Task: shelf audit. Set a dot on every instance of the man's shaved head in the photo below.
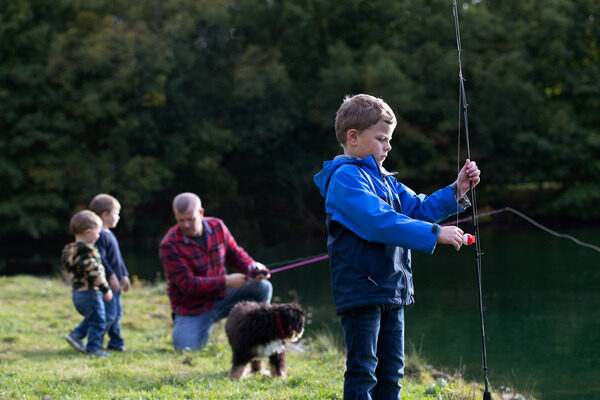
(184, 201)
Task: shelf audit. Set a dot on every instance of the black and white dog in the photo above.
(257, 330)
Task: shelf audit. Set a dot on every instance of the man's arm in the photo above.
(235, 256)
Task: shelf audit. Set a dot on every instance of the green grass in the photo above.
(37, 363)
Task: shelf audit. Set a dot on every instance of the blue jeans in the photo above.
(114, 314)
(89, 303)
(190, 332)
(374, 338)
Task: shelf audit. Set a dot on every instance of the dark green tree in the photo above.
(235, 100)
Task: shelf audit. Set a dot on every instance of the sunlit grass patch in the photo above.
(37, 363)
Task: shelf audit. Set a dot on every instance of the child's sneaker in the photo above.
(118, 349)
(75, 342)
(98, 353)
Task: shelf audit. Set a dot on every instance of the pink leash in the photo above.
(312, 260)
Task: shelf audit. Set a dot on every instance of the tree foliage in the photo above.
(235, 100)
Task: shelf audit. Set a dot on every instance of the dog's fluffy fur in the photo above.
(253, 333)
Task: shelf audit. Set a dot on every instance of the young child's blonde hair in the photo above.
(104, 203)
(360, 112)
(84, 220)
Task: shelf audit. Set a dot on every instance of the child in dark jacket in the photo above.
(82, 260)
(108, 209)
(373, 221)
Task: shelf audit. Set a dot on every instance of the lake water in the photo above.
(541, 303)
(541, 310)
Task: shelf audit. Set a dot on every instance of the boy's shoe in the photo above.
(119, 349)
(98, 353)
(75, 342)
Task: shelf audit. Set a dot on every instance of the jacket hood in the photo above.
(323, 177)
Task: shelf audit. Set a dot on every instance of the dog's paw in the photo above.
(256, 366)
(278, 373)
(238, 372)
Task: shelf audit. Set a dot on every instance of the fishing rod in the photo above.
(478, 252)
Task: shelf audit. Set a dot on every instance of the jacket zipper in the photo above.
(390, 196)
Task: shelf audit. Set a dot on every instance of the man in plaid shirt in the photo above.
(201, 292)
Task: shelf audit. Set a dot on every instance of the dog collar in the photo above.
(280, 326)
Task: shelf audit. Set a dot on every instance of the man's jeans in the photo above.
(191, 331)
(375, 352)
(89, 303)
(114, 314)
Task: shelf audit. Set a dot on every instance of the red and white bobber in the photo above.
(468, 239)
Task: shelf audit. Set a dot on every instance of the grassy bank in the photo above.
(37, 363)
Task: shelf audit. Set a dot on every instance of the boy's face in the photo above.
(373, 141)
(190, 221)
(110, 219)
(91, 235)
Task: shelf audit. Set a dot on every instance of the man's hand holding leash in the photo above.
(256, 272)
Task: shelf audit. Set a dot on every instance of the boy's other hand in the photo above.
(114, 283)
(451, 235)
(126, 283)
(468, 173)
(108, 295)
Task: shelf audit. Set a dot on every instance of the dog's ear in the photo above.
(296, 316)
(294, 306)
(298, 309)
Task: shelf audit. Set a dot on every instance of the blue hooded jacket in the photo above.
(373, 221)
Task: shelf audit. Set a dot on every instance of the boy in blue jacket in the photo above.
(108, 209)
(373, 221)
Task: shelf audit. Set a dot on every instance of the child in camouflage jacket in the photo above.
(82, 259)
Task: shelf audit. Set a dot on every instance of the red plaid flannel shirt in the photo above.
(196, 274)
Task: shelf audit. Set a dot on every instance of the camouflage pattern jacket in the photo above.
(83, 261)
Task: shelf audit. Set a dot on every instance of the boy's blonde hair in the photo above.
(104, 203)
(84, 220)
(360, 112)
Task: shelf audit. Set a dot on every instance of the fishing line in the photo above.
(534, 223)
(458, 146)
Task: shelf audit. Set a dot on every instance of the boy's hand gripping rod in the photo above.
(478, 253)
